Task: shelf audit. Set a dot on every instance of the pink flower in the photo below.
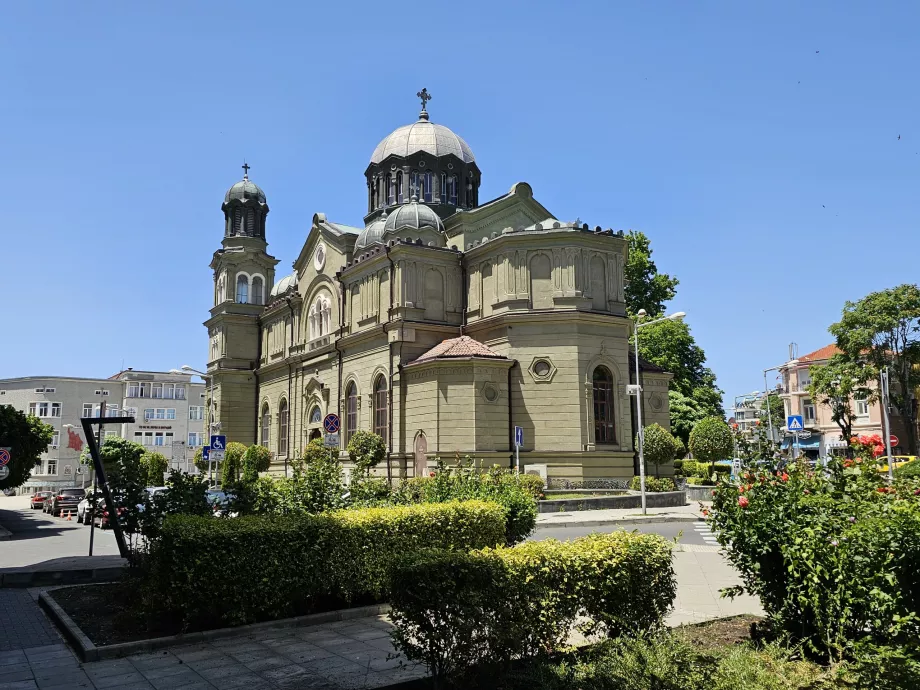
(743, 501)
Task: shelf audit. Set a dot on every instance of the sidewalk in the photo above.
(625, 516)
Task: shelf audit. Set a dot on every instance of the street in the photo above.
(39, 537)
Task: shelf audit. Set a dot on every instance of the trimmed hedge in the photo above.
(495, 605)
(204, 571)
(652, 484)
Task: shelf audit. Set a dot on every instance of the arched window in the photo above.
(242, 289)
(257, 290)
(443, 188)
(604, 430)
(351, 411)
(452, 190)
(316, 415)
(389, 189)
(414, 183)
(399, 187)
(283, 428)
(266, 424)
(380, 407)
(429, 186)
(320, 317)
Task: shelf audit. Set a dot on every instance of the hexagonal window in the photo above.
(542, 369)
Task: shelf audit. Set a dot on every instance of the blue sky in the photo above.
(756, 146)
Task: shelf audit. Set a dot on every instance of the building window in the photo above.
(316, 415)
(414, 184)
(52, 466)
(257, 290)
(266, 424)
(452, 190)
(320, 317)
(55, 409)
(195, 439)
(169, 390)
(429, 186)
(157, 391)
(380, 407)
(283, 428)
(44, 409)
(603, 406)
(399, 187)
(443, 188)
(862, 407)
(242, 289)
(158, 438)
(160, 413)
(391, 198)
(138, 390)
(88, 410)
(808, 410)
(180, 392)
(196, 412)
(55, 440)
(351, 411)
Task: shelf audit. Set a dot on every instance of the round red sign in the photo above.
(894, 440)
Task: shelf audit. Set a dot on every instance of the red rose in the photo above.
(785, 477)
(743, 502)
(431, 474)
(806, 492)
(881, 489)
(740, 489)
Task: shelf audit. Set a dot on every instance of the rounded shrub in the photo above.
(659, 446)
(711, 440)
(366, 450)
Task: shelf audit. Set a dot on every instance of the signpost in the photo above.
(518, 442)
(331, 440)
(4, 472)
(4, 456)
(331, 425)
(796, 425)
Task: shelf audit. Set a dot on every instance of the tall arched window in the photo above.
(351, 411)
(452, 190)
(320, 317)
(443, 188)
(242, 289)
(429, 186)
(389, 189)
(380, 407)
(266, 424)
(399, 187)
(257, 290)
(604, 430)
(283, 428)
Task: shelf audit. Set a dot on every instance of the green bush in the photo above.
(909, 470)
(207, 571)
(652, 484)
(533, 484)
(232, 464)
(155, 465)
(366, 450)
(711, 440)
(256, 459)
(678, 467)
(659, 446)
(834, 560)
(494, 605)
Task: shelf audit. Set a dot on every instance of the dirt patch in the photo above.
(106, 613)
(725, 632)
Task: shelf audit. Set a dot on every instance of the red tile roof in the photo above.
(825, 352)
(464, 346)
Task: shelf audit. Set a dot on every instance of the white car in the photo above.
(83, 507)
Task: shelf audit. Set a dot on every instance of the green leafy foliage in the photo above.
(366, 450)
(837, 384)
(515, 493)
(207, 571)
(200, 462)
(685, 412)
(256, 459)
(233, 463)
(659, 446)
(473, 608)
(155, 465)
(834, 559)
(711, 440)
(883, 330)
(909, 470)
(27, 437)
(646, 288)
(652, 484)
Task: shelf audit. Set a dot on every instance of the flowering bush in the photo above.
(834, 558)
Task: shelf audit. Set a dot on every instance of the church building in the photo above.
(441, 323)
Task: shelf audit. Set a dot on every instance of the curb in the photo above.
(619, 521)
(24, 577)
(87, 651)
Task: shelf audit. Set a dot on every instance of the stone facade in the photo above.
(539, 304)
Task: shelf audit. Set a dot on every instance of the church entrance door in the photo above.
(421, 455)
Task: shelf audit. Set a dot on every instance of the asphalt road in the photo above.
(688, 532)
(39, 537)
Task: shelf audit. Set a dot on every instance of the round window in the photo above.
(541, 368)
(490, 393)
(319, 259)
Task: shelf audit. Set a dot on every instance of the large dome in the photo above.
(245, 190)
(426, 137)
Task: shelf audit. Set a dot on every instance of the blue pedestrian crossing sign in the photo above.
(794, 422)
(219, 442)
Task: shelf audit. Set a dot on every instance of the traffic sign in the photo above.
(205, 452)
(794, 422)
(218, 442)
(216, 455)
(4, 472)
(331, 440)
(4, 456)
(331, 423)
(519, 436)
(894, 440)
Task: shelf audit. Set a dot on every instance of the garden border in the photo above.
(631, 499)
(88, 651)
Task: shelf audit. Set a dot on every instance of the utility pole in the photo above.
(92, 504)
(887, 422)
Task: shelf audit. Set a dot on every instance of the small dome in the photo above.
(425, 136)
(284, 284)
(413, 216)
(372, 233)
(244, 190)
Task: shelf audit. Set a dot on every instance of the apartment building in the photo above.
(168, 410)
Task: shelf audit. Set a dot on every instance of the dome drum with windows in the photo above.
(425, 161)
(245, 209)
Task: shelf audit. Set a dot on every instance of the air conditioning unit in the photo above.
(539, 470)
(53, 447)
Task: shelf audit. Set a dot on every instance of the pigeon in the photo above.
(899, 137)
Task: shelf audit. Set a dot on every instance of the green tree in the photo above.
(155, 466)
(685, 413)
(776, 415)
(646, 288)
(256, 459)
(837, 385)
(670, 345)
(883, 330)
(200, 462)
(711, 440)
(680, 449)
(233, 463)
(27, 437)
(659, 447)
(366, 450)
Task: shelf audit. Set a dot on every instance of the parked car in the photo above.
(38, 499)
(83, 508)
(220, 502)
(897, 460)
(65, 499)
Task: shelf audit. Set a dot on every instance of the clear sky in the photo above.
(757, 146)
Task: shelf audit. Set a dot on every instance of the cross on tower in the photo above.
(425, 96)
(245, 170)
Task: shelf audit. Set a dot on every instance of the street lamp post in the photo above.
(641, 434)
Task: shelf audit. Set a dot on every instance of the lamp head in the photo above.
(641, 313)
(678, 315)
(176, 371)
(186, 367)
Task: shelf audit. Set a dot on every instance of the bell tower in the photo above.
(243, 274)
